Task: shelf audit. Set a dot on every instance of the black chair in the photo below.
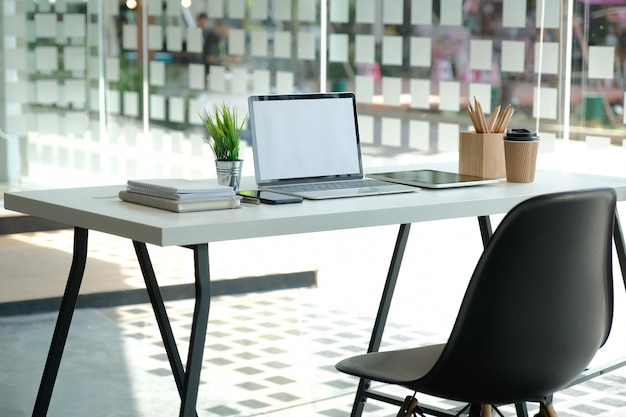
(537, 308)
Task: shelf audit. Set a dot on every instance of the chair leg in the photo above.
(475, 410)
(550, 409)
(546, 410)
(409, 407)
(485, 410)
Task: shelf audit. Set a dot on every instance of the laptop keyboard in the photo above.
(332, 185)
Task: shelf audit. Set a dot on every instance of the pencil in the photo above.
(472, 115)
(504, 119)
(481, 116)
(507, 119)
(475, 119)
(469, 112)
(492, 120)
(497, 128)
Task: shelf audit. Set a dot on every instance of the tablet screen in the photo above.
(430, 178)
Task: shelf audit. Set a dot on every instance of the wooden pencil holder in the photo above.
(482, 154)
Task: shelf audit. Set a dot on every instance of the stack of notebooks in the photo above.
(181, 195)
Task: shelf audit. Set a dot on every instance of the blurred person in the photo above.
(216, 45)
(203, 22)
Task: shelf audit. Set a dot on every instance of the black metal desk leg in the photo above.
(383, 311)
(198, 329)
(484, 222)
(64, 319)
(156, 299)
(521, 409)
(620, 247)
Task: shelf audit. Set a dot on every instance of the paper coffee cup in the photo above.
(520, 155)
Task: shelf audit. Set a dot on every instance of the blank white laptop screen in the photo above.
(298, 137)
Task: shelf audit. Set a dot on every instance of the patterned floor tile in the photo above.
(278, 353)
(273, 355)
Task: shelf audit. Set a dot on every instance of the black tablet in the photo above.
(431, 178)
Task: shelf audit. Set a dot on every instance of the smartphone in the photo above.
(268, 197)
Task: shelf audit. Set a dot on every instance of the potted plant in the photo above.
(225, 138)
(339, 73)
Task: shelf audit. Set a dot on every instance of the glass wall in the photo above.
(416, 64)
(98, 91)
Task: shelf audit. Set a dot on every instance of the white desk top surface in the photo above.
(99, 208)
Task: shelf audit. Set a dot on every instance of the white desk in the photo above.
(98, 208)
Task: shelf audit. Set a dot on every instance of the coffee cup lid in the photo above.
(521, 135)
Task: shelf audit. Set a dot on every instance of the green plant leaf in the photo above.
(224, 131)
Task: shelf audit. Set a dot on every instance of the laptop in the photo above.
(307, 145)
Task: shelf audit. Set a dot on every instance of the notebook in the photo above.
(307, 145)
(179, 188)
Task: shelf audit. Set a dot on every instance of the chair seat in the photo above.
(400, 367)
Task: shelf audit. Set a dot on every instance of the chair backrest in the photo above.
(540, 302)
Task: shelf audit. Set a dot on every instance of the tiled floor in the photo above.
(269, 354)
